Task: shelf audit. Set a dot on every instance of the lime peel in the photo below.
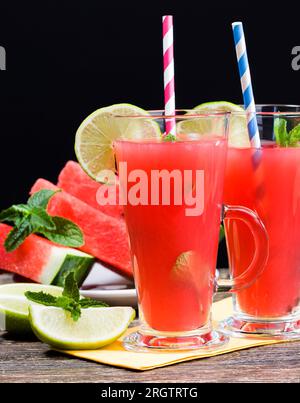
(14, 306)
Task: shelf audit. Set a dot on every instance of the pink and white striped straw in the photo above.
(169, 83)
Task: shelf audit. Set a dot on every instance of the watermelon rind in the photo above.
(60, 260)
(79, 265)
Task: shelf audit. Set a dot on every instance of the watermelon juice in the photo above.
(173, 253)
(273, 191)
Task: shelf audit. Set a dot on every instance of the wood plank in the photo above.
(33, 362)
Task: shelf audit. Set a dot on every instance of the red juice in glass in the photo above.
(172, 194)
(273, 191)
(173, 254)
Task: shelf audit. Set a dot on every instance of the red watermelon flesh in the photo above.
(105, 237)
(36, 258)
(76, 182)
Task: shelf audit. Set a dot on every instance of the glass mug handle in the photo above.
(261, 242)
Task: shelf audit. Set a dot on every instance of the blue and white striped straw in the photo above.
(244, 70)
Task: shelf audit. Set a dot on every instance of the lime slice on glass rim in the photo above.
(95, 328)
(14, 306)
(96, 134)
(238, 130)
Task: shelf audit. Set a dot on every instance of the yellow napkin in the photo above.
(115, 354)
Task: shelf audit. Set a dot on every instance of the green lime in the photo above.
(238, 131)
(14, 306)
(96, 134)
(95, 328)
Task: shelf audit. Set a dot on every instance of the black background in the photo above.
(66, 59)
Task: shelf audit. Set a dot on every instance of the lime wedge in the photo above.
(183, 265)
(95, 328)
(14, 306)
(96, 134)
(238, 130)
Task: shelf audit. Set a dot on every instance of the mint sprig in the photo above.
(69, 300)
(169, 137)
(33, 218)
(283, 137)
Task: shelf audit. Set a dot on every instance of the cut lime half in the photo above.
(96, 134)
(95, 328)
(14, 306)
(238, 130)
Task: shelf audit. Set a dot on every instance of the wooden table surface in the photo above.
(32, 361)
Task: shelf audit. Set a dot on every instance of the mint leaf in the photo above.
(91, 303)
(17, 236)
(281, 133)
(70, 305)
(71, 289)
(65, 233)
(41, 298)
(41, 219)
(294, 136)
(41, 198)
(11, 215)
(283, 137)
(221, 233)
(21, 208)
(14, 214)
(169, 137)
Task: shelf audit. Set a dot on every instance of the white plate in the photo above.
(113, 297)
(104, 284)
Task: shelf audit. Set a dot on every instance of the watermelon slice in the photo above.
(76, 182)
(41, 261)
(105, 237)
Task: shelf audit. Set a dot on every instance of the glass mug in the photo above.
(172, 193)
(266, 180)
